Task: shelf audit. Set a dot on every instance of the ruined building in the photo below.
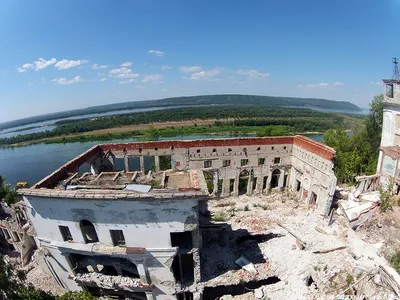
(125, 219)
(389, 151)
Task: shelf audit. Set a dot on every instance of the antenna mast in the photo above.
(396, 74)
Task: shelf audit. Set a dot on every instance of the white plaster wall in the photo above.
(317, 176)
(388, 128)
(145, 223)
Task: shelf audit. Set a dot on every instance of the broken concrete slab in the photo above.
(374, 196)
(353, 209)
(246, 265)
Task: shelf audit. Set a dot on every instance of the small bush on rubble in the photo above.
(387, 198)
(395, 261)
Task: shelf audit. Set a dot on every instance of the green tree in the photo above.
(84, 295)
(358, 154)
(13, 289)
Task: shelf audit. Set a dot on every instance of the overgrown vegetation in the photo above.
(387, 197)
(14, 287)
(265, 121)
(357, 154)
(220, 217)
(8, 194)
(395, 261)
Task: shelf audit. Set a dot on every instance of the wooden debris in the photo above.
(291, 233)
(329, 250)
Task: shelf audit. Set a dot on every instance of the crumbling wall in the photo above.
(146, 224)
(316, 177)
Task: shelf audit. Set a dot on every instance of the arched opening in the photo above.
(243, 181)
(275, 178)
(88, 232)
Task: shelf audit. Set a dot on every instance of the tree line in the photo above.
(299, 119)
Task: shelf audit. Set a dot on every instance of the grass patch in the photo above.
(263, 206)
(395, 261)
(220, 217)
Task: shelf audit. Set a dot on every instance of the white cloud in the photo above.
(206, 74)
(166, 67)
(252, 74)
(157, 52)
(96, 66)
(377, 83)
(42, 63)
(126, 64)
(25, 68)
(320, 85)
(126, 81)
(103, 79)
(66, 64)
(122, 73)
(76, 79)
(190, 69)
(153, 78)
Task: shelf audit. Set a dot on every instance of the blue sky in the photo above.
(61, 55)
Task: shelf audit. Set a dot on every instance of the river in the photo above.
(33, 162)
(48, 125)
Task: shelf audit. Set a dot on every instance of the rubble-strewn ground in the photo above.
(43, 281)
(384, 227)
(304, 274)
(35, 275)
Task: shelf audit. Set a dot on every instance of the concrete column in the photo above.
(250, 183)
(126, 161)
(225, 187)
(281, 178)
(157, 162)
(268, 187)
(141, 157)
(259, 185)
(142, 272)
(236, 186)
(215, 181)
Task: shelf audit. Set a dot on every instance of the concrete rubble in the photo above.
(108, 281)
(357, 206)
(335, 263)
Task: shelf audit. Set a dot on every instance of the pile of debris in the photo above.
(356, 206)
(109, 281)
(293, 254)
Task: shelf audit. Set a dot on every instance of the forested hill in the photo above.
(196, 100)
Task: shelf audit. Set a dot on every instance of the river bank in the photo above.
(31, 163)
(167, 129)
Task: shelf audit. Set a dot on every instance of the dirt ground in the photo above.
(349, 266)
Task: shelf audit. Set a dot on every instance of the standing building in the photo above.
(389, 151)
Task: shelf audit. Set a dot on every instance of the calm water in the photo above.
(47, 125)
(34, 162)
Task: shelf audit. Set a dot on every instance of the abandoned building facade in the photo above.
(123, 219)
(389, 152)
